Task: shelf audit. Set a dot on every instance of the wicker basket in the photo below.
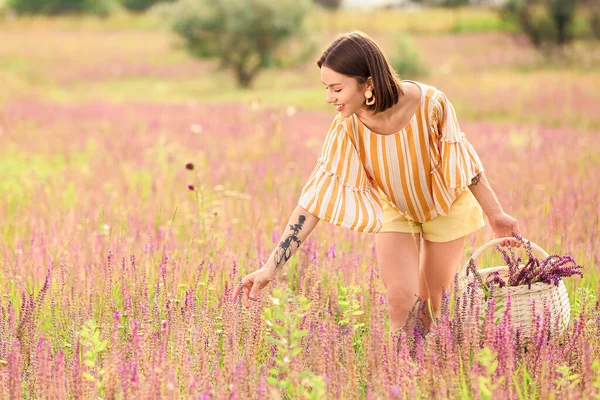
(556, 297)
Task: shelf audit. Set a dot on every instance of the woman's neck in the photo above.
(385, 117)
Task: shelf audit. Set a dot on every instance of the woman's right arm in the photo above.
(300, 225)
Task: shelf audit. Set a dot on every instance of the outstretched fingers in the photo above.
(246, 291)
(236, 290)
(245, 287)
(254, 293)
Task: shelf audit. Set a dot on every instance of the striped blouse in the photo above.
(421, 169)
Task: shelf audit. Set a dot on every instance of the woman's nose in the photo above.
(329, 98)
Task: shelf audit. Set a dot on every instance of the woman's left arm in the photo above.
(502, 224)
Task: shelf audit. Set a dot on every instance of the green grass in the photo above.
(26, 176)
(427, 20)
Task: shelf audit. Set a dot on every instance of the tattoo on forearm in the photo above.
(476, 179)
(285, 250)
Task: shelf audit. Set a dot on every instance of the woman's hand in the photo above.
(504, 225)
(252, 283)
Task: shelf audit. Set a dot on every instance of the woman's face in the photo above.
(343, 91)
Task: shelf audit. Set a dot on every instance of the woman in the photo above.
(394, 163)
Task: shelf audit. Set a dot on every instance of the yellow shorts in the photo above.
(464, 217)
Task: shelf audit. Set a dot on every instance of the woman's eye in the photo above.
(337, 91)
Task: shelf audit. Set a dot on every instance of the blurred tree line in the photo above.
(247, 36)
(94, 7)
(554, 21)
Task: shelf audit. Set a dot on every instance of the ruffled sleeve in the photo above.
(339, 189)
(459, 161)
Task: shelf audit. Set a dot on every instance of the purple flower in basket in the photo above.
(494, 278)
(549, 270)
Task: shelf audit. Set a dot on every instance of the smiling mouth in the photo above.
(340, 107)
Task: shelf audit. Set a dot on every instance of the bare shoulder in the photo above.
(411, 89)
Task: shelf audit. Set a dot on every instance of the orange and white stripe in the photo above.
(421, 169)
(339, 190)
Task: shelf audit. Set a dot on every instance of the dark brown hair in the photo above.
(355, 54)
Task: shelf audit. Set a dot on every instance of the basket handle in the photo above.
(494, 242)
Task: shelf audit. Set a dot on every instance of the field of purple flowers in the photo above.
(116, 278)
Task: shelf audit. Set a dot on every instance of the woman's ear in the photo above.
(370, 83)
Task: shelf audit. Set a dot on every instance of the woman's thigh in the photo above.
(398, 261)
(439, 264)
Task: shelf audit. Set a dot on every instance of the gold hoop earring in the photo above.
(370, 98)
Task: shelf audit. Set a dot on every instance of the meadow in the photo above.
(117, 261)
